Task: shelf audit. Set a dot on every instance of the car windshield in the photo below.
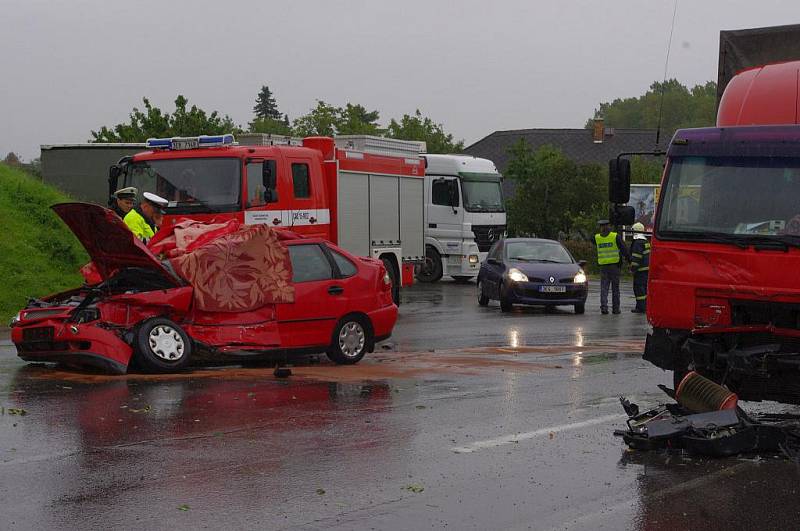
(482, 196)
(191, 185)
(731, 197)
(531, 251)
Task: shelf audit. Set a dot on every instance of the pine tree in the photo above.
(266, 107)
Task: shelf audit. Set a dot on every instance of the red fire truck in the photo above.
(362, 193)
(724, 285)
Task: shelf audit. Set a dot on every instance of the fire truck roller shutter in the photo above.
(384, 211)
(353, 213)
(412, 218)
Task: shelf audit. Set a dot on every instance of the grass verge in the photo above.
(38, 253)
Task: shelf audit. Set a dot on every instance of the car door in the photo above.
(320, 298)
(445, 215)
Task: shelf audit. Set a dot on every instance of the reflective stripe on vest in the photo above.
(607, 250)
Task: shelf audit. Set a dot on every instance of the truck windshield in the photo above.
(482, 196)
(737, 198)
(190, 185)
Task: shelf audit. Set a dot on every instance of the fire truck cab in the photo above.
(364, 194)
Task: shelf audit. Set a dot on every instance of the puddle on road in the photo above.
(382, 365)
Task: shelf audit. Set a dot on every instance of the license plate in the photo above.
(553, 289)
(185, 143)
(41, 333)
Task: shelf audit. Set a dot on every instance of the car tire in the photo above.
(483, 300)
(580, 308)
(505, 305)
(351, 339)
(462, 279)
(395, 276)
(549, 308)
(161, 346)
(431, 269)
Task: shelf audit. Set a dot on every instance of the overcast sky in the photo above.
(67, 67)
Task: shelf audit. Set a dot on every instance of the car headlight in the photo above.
(473, 259)
(580, 278)
(516, 275)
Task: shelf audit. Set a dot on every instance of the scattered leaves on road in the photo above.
(415, 488)
(320, 491)
(145, 409)
(183, 507)
(420, 407)
(16, 411)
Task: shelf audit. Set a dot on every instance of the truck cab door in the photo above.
(307, 215)
(445, 214)
(267, 200)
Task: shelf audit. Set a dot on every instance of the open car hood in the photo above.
(109, 242)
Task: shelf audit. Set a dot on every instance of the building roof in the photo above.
(577, 144)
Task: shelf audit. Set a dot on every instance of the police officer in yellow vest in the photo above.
(640, 266)
(143, 220)
(610, 252)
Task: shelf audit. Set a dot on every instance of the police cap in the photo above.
(126, 193)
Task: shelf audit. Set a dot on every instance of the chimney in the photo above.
(598, 131)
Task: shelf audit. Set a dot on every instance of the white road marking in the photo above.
(515, 438)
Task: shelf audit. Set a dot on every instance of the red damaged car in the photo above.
(205, 291)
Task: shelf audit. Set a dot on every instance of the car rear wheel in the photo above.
(580, 308)
(161, 346)
(483, 300)
(351, 340)
(431, 268)
(395, 276)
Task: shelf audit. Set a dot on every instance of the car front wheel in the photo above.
(351, 340)
(161, 346)
(505, 304)
(483, 300)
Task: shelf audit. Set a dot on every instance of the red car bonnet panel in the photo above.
(109, 242)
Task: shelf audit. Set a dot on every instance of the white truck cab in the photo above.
(464, 215)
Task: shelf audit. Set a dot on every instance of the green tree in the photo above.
(270, 126)
(320, 121)
(554, 195)
(682, 107)
(265, 106)
(152, 122)
(356, 120)
(418, 127)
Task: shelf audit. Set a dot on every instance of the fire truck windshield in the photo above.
(736, 198)
(191, 184)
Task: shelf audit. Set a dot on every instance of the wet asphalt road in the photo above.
(492, 422)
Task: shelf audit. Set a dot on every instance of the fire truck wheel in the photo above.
(431, 268)
(351, 340)
(161, 346)
(395, 276)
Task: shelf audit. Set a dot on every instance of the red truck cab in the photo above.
(724, 284)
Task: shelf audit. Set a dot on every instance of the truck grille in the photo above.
(486, 235)
(781, 315)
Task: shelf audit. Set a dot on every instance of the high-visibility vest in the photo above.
(138, 225)
(607, 249)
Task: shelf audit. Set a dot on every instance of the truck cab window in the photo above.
(301, 180)
(258, 180)
(440, 192)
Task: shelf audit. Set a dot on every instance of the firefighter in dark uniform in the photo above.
(640, 266)
(123, 201)
(610, 252)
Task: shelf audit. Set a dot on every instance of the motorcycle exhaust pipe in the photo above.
(699, 394)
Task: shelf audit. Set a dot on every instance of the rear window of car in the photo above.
(346, 267)
(309, 263)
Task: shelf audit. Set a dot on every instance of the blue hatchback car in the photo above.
(533, 272)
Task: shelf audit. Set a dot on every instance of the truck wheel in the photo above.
(483, 300)
(351, 340)
(431, 268)
(395, 276)
(161, 346)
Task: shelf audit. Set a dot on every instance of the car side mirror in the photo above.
(493, 261)
(269, 178)
(619, 180)
(270, 196)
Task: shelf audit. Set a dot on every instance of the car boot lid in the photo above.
(109, 242)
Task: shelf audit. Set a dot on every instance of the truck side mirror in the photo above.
(269, 178)
(619, 181)
(622, 215)
(452, 191)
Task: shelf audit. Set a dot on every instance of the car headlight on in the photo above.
(473, 259)
(516, 275)
(580, 278)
